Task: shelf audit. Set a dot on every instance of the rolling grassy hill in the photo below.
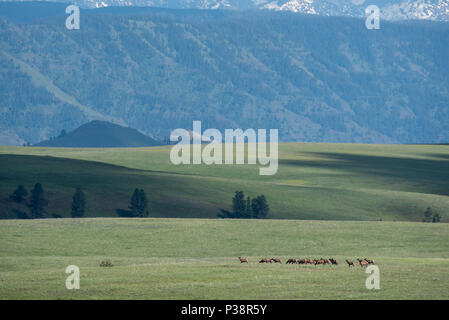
(160, 258)
(314, 181)
(197, 259)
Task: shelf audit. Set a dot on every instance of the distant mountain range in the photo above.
(390, 9)
(100, 134)
(323, 79)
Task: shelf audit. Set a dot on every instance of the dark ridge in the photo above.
(100, 134)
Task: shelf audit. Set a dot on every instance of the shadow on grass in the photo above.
(439, 155)
(423, 175)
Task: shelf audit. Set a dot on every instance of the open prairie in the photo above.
(345, 153)
(337, 201)
(159, 258)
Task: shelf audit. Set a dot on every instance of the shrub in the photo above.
(106, 263)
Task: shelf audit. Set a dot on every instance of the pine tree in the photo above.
(143, 204)
(37, 202)
(138, 204)
(239, 204)
(249, 210)
(19, 194)
(78, 204)
(263, 207)
(260, 207)
(256, 208)
(134, 203)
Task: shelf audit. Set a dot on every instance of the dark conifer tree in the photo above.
(249, 210)
(78, 204)
(138, 204)
(143, 204)
(256, 208)
(37, 202)
(19, 195)
(239, 204)
(260, 207)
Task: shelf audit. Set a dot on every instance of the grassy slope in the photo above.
(314, 181)
(169, 258)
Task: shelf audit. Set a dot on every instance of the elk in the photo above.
(350, 263)
(276, 260)
(310, 261)
(369, 261)
(363, 263)
(319, 261)
(333, 261)
(243, 260)
(265, 260)
(292, 260)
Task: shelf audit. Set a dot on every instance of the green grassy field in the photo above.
(158, 258)
(314, 181)
(161, 258)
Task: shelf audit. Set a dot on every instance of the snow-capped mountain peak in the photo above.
(390, 9)
(302, 6)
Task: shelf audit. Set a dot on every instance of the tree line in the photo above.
(36, 202)
(242, 207)
(246, 208)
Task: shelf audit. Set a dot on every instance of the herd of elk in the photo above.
(363, 262)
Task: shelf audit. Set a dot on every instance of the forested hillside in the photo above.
(314, 78)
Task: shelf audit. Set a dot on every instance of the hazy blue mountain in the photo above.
(315, 78)
(390, 9)
(100, 134)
